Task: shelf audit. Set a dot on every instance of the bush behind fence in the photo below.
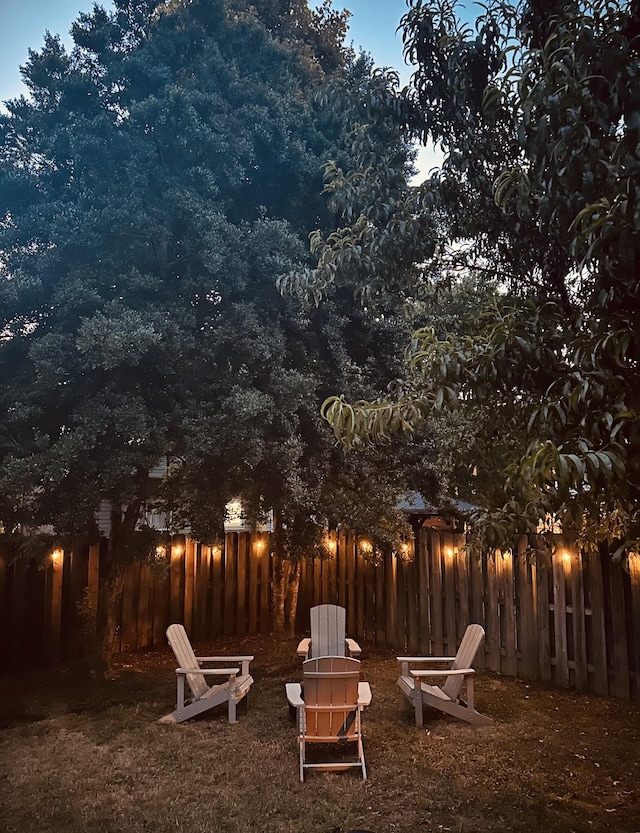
(572, 620)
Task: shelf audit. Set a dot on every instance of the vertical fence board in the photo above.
(145, 601)
(578, 622)
(391, 598)
(216, 591)
(4, 607)
(401, 596)
(634, 575)
(347, 544)
(380, 606)
(620, 682)
(437, 632)
(73, 598)
(189, 585)
(93, 581)
(341, 568)
(203, 587)
(492, 624)
(332, 565)
(422, 558)
(245, 548)
(560, 620)
(129, 614)
(510, 662)
(527, 632)
(317, 581)
(265, 584)
(177, 581)
(361, 571)
(161, 606)
(257, 552)
(325, 593)
(449, 601)
(230, 582)
(462, 564)
(369, 602)
(544, 631)
(53, 616)
(18, 611)
(478, 616)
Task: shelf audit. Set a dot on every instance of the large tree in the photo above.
(538, 114)
(153, 185)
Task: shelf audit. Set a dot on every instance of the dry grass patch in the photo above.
(78, 755)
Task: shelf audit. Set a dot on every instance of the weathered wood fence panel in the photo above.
(572, 619)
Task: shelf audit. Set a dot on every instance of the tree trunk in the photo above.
(280, 572)
(286, 587)
(110, 588)
(291, 602)
(109, 608)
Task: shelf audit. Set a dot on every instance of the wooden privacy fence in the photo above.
(572, 619)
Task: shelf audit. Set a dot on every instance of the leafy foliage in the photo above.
(538, 114)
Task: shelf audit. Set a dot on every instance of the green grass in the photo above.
(81, 755)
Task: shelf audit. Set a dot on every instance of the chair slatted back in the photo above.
(183, 651)
(331, 698)
(328, 631)
(467, 651)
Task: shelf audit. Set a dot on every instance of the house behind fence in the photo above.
(572, 619)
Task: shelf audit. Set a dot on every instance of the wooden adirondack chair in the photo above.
(331, 709)
(445, 698)
(205, 697)
(328, 634)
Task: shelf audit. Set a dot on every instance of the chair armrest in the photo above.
(245, 660)
(209, 672)
(294, 694)
(226, 659)
(443, 672)
(364, 694)
(303, 647)
(352, 646)
(425, 659)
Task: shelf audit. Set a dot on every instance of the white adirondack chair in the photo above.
(204, 697)
(447, 697)
(329, 706)
(328, 634)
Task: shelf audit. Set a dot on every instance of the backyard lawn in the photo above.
(80, 755)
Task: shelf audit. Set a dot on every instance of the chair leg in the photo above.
(302, 753)
(361, 753)
(232, 709)
(417, 702)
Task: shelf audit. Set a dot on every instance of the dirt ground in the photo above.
(81, 755)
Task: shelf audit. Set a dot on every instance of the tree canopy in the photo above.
(537, 110)
(157, 180)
